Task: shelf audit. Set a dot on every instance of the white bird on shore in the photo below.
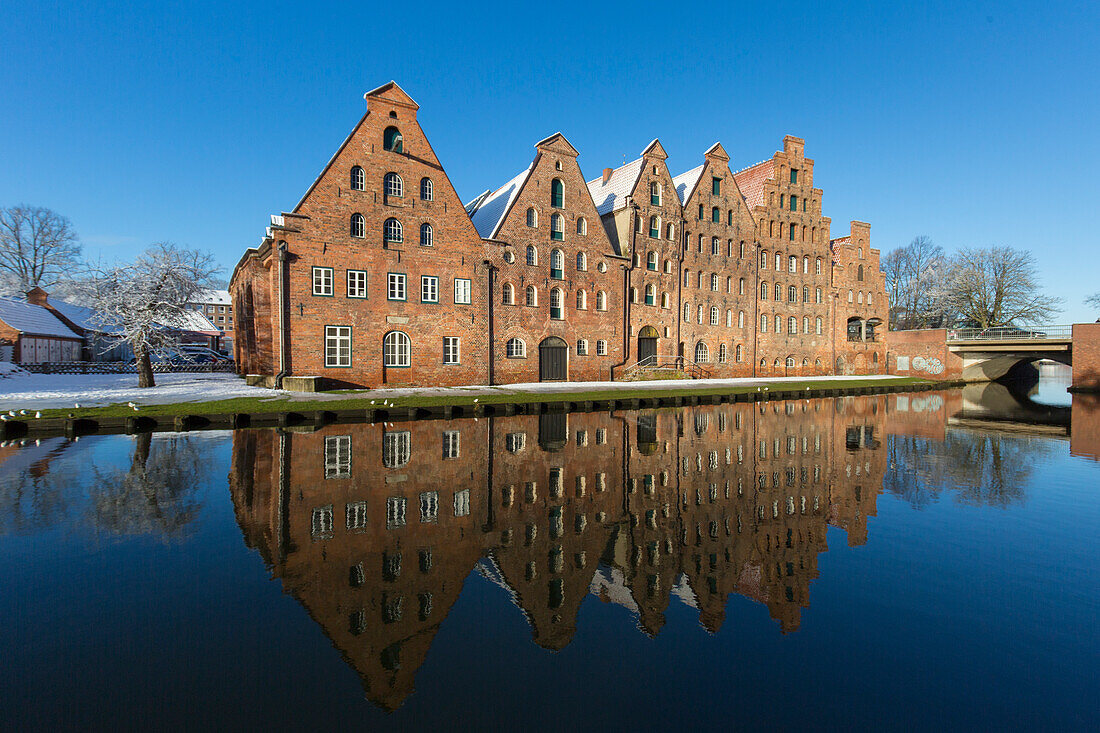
(77, 405)
(11, 413)
(475, 400)
(4, 418)
(22, 412)
(372, 402)
(37, 415)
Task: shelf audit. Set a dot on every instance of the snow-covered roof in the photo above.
(685, 182)
(751, 182)
(190, 321)
(487, 212)
(613, 195)
(84, 317)
(213, 297)
(33, 319)
(81, 316)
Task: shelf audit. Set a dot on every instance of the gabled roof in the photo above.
(558, 144)
(487, 211)
(613, 195)
(685, 183)
(717, 151)
(213, 297)
(392, 93)
(655, 150)
(751, 181)
(33, 320)
(79, 315)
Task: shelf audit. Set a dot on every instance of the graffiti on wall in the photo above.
(932, 366)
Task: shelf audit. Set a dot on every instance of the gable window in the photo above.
(322, 281)
(358, 226)
(557, 193)
(429, 289)
(462, 291)
(557, 311)
(794, 203)
(396, 350)
(532, 255)
(425, 235)
(702, 215)
(651, 261)
(651, 294)
(715, 215)
(391, 231)
(337, 346)
(451, 353)
(582, 225)
(654, 227)
(557, 227)
(655, 193)
(670, 232)
(358, 179)
(396, 286)
(532, 218)
(557, 264)
(357, 283)
(716, 186)
(391, 140)
(516, 349)
(859, 273)
(394, 186)
(582, 261)
(794, 175)
(532, 295)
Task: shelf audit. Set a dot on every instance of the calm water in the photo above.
(906, 561)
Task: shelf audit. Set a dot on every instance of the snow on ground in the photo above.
(21, 390)
(44, 391)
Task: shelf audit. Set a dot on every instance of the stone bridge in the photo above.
(989, 354)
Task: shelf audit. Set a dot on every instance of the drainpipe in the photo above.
(626, 294)
(489, 316)
(284, 310)
(756, 310)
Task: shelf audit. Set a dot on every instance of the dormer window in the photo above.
(391, 140)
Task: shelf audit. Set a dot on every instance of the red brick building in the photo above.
(380, 276)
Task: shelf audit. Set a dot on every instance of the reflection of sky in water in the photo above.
(1053, 381)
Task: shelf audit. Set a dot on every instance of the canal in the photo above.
(904, 560)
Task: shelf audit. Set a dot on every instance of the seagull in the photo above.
(475, 400)
(372, 402)
(37, 415)
(22, 412)
(77, 405)
(4, 418)
(11, 413)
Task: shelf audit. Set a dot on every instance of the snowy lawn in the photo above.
(22, 390)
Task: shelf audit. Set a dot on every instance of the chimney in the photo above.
(37, 296)
(607, 174)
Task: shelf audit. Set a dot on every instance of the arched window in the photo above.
(425, 235)
(532, 295)
(778, 292)
(532, 217)
(358, 225)
(722, 352)
(715, 315)
(557, 307)
(582, 300)
(687, 312)
(763, 291)
(699, 282)
(427, 189)
(763, 259)
(817, 266)
(851, 296)
(792, 325)
(792, 264)
(729, 318)
(517, 348)
(651, 261)
(737, 354)
(582, 225)
(805, 293)
(729, 284)
(699, 314)
(817, 325)
(582, 261)
(742, 251)
(714, 282)
(805, 324)
(793, 232)
(391, 231)
(665, 300)
(508, 294)
(670, 232)
(779, 324)
(859, 298)
(394, 186)
(715, 215)
(741, 286)
(859, 272)
(740, 319)
(601, 300)
(860, 252)
(557, 227)
(358, 179)
(532, 255)
(391, 140)
(729, 217)
(790, 361)
(702, 355)
(654, 227)
(651, 294)
(778, 261)
(763, 365)
(557, 264)
(794, 203)
(817, 296)
(715, 246)
(396, 349)
(763, 324)
(655, 193)
(557, 194)
(868, 297)
(776, 364)
(792, 294)
(805, 265)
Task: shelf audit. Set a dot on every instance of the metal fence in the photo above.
(121, 367)
(1010, 334)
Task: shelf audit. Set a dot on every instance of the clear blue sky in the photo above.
(973, 124)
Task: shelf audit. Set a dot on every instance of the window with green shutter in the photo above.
(794, 175)
(716, 186)
(794, 203)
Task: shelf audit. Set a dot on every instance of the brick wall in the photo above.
(921, 353)
(1086, 356)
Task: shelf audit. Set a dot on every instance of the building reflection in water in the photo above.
(375, 528)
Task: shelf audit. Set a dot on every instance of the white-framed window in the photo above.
(392, 231)
(557, 227)
(516, 349)
(715, 315)
(322, 280)
(532, 255)
(426, 235)
(601, 348)
(792, 325)
(355, 517)
(508, 294)
(665, 301)
(358, 179)
(722, 353)
(582, 300)
(321, 522)
(714, 282)
(531, 295)
(557, 264)
(337, 346)
(601, 300)
(427, 189)
(582, 225)
(357, 283)
(715, 246)
(451, 353)
(818, 323)
(429, 289)
(394, 186)
(395, 512)
(582, 261)
(338, 456)
(699, 314)
(462, 503)
(702, 354)
(729, 319)
(396, 448)
(557, 304)
(429, 506)
(462, 291)
(582, 347)
(397, 286)
(396, 349)
(763, 324)
(358, 226)
(532, 218)
(451, 443)
(515, 442)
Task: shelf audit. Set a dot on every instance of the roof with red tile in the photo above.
(751, 182)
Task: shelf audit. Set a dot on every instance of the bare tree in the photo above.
(914, 275)
(998, 286)
(1093, 300)
(38, 247)
(146, 301)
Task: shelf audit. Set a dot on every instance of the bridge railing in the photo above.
(1031, 333)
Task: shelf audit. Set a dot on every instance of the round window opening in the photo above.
(509, 256)
(601, 267)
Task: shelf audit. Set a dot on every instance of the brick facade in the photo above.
(318, 296)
